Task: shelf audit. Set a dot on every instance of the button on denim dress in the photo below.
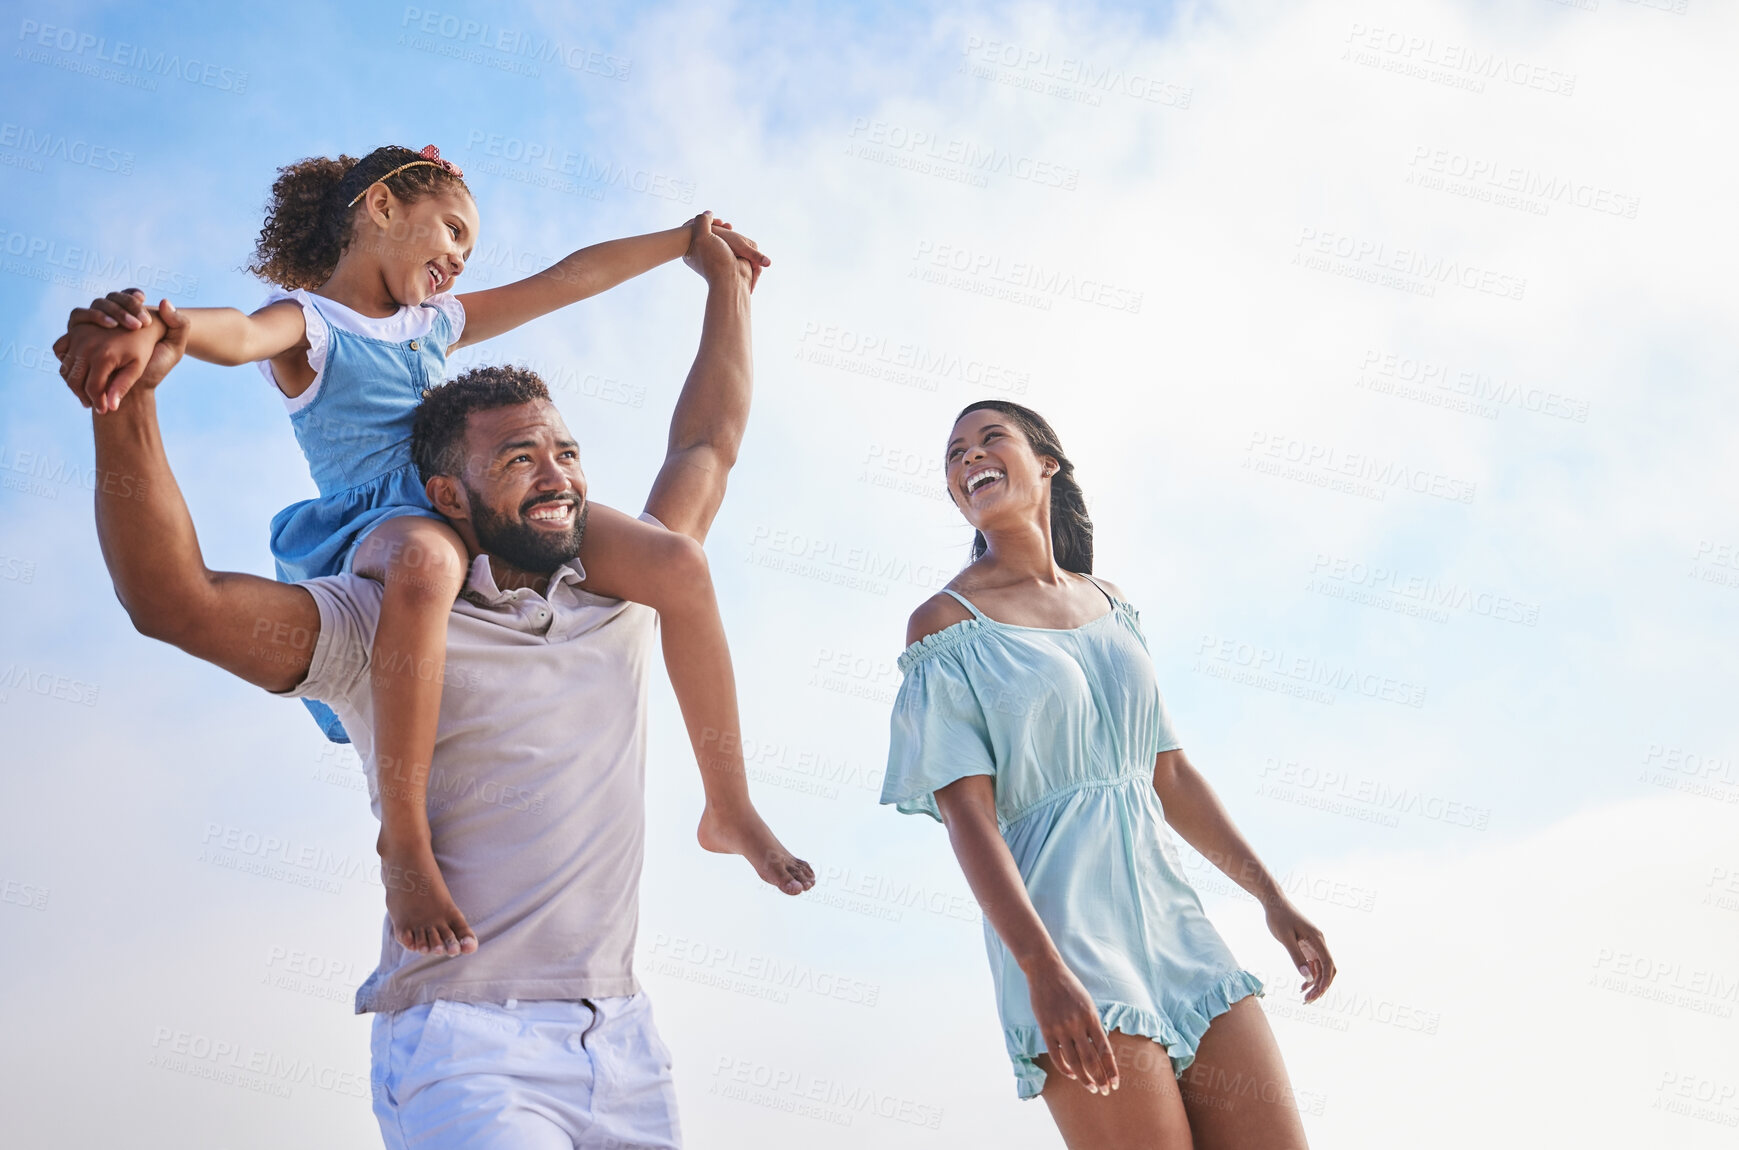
(356, 436)
(1067, 724)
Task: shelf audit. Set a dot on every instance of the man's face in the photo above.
(525, 491)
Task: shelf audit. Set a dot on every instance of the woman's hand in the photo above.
(1304, 942)
(1069, 1022)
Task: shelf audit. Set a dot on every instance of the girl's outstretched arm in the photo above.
(110, 342)
(586, 273)
(628, 558)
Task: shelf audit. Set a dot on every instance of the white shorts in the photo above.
(526, 1075)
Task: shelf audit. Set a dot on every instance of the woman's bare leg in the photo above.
(1145, 1112)
(1237, 1091)
(420, 564)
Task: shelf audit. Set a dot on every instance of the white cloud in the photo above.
(806, 130)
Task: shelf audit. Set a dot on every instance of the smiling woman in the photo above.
(1030, 722)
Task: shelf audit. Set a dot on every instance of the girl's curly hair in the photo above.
(308, 222)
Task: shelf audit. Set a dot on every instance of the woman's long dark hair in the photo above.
(1071, 527)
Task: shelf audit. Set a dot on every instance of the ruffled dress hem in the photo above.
(1180, 1038)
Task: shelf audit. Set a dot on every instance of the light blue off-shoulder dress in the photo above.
(1067, 723)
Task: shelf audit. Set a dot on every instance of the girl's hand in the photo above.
(117, 309)
(711, 246)
(109, 346)
(1304, 942)
(743, 248)
(1069, 1022)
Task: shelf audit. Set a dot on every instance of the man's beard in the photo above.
(517, 542)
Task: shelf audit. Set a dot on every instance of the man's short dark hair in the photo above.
(438, 427)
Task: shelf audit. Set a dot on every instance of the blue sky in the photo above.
(1391, 344)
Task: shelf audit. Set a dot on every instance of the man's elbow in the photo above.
(157, 619)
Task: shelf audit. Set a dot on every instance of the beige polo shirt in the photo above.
(536, 790)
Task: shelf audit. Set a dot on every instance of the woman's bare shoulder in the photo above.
(937, 613)
(1111, 588)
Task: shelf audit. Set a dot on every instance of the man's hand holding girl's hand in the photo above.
(715, 239)
(116, 343)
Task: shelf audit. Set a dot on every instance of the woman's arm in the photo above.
(1067, 1018)
(586, 273)
(1196, 813)
(109, 343)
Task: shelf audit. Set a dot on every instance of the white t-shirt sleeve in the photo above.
(317, 340)
(448, 305)
(349, 608)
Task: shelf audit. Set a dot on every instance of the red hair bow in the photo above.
(433, 155)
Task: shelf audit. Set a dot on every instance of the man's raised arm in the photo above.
(706, 428)
(255, 628)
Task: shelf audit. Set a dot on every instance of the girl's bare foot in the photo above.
(424, 916)
(742, 832)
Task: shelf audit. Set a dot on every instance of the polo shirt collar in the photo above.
(480, 583)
